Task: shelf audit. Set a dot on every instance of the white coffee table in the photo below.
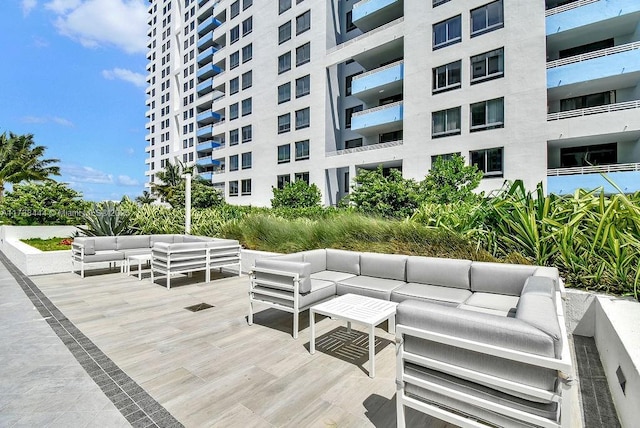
(358, 309)
(140, 258)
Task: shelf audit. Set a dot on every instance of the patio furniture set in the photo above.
(476, 343)
(167, 255)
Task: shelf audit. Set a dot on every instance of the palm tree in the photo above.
(145, 198)
(21, 160)
(171, 179)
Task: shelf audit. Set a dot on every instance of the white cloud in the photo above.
(130, 151)
(125, 180)
(28, 6)
(127, 75)
(39, 42)
(94, 23)
(48, 119)
(85, 174)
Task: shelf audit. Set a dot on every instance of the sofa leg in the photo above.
(168, 281)
(250, 318)
(295, 325)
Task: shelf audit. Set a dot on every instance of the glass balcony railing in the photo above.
(208, 71)
(580, 14)
(385, 118)
(369, 14)
(208, 25)
(380, 79)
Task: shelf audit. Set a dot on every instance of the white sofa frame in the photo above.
(563, 394)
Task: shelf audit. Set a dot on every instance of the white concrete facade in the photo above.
(392, 59)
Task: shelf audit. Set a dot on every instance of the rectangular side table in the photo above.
(140, 258)
(359, 309)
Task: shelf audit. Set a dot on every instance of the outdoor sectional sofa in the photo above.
(476, 341)
(169, 254)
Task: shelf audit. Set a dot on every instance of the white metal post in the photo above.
(187, 204)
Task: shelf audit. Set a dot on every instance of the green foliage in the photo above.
(169, 181)
(42, 203)
(145, 198)
(20, 161)
(153, 219)
(203, 195)
(450, 181)
(298, 194)
(390, 196)
(107, 219)
(209, 222)
(51, 244)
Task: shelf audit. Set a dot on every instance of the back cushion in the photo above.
(293, 257)
(178, 238)
(343, 261)
(161, 238)
(302, 269)
(105, 243)
(389, 266)
(539, 311)
(499, 278)
(129, 242)
(317, 258)
(89, 245)
(452, 273)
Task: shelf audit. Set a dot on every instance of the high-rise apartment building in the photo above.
(258, 94)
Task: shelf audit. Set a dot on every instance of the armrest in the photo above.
(283, 273)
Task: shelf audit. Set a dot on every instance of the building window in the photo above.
(439, 2)
(284, 93)
(350, 26)
(284, 123)
(284, 32)
(303, 54)
(233, 163)
(488, 65)
(233, 137)
(284, 62)
(233, 188)
(234, 85)
(233, 111)
(586, 101)
(390, 136)
(246, 4)
(234, 34)
(447, 32)
(246, 160)
(303, 22)
(246, 187)
(597, 154)
(234, 60)
(283, 180)
(487, 18)
(303, 86)
(247, 79)
(487, 114)
(246, 107)
(302, 176)
(247, 26)
(352, 144)
(488, 161)
(284, 153)
(348, 114)
(348, 82)
(283, 6)
(302, 150)
(303, 118)
(235, 9)
(247, 53)
(247, 134)
(447, 77)
(445, 122)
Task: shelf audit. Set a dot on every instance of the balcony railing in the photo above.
(595, 169)
(595, 54)
(376, 70)
(628, 105)
(365, 35)
(568, 6)
(365, 148)
(374, 109)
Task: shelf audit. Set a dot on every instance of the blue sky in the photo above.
(73, 74)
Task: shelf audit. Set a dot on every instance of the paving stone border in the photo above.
(135, 404)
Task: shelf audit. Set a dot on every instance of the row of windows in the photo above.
(303, 55)
(246, 187)
(245, 106)
(489, 161)
(283, 180)
(486, 66)
(247, 82)
(301, 148)
(303, 23)
(484, 115)
(247, 28)
(245, 131)
(303, 119)
(303, 87)
(285, 5)
(246, 161)
(247, 55)
(483, 19)
(234, 10)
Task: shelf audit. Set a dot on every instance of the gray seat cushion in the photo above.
(135, 252)
(104, 256)
(343, 261)
(496, 303)
(499, 278)
(434, 293)
(452, 273)
(379, 288)
(329, 275)
(389, 266)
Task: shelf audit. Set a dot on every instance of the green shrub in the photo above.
(107, 219)
(390, 196)
(298, 194)
(450, 181)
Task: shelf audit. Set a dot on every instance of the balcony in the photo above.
(205, 41)
(584, 13)
(205, 87)
(387, 79)
(621, 62)
(370, 14)
(377, 120)
(205, 131)
(208, 71)
(208, 117)
(565, 181)
(208, 25)
(206, 56)
(208, 146)
(365, 148)
(594, 110)
(207, 161)
(207, 175)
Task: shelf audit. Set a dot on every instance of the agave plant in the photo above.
(107, 219)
